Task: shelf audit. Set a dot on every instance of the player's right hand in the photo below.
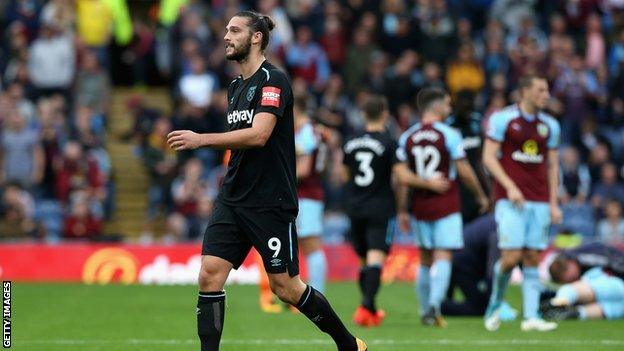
(404, 222)
(515, 196)
(484, 204)
(438, 184)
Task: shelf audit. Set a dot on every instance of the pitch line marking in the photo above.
(379, 342)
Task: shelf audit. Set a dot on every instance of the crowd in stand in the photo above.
(55, 173)
(55, 86)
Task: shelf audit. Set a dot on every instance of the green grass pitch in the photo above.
(65, 317)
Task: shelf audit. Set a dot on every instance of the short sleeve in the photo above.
(497, 125)
(346, 156)
(454, 145)
(393, 155)
(554, 135)
(401, 153)
(274, 94)
(306, 141)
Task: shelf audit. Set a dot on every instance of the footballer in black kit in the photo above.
(257, 204)
(369, 160)
(370, 156)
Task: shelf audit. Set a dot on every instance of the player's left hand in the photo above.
(556, 215)
(404, 222)
(183, 140)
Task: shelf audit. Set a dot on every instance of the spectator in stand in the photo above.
(52, 62)
(78, 171)
(188, 188)
(465, 73)
(511, 12)
(196, 228)
(306, 59)
(594, 43)
(576, 13)
(436, 30)
(59, 14)
(92, 84)
(143, 118)
(334, 42)
(611, 228)
(400, 84)
(397, 34)
(160, 162)
(88, 127)
(17, 211)
(282, 36)
(359, 55)
(593, 146)
(51, 132)
(526, 32)
(608, 187)
(198, 86)
(94, 25)
(575, 179)
(375, 80)
(432, 73)
(80, 222)
(16, 93)
(616, 56)
(495, 60)
(334, 104)
(21, 155)
(577, 89)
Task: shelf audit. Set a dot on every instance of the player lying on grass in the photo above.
(593, 286)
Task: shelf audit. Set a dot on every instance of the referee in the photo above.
(257, 205)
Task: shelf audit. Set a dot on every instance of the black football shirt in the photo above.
(370, 156)
(262, 177)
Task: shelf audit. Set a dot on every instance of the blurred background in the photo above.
(90, 88)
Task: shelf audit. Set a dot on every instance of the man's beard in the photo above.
(240, 54)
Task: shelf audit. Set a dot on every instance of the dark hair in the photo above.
(428, 96)
(301, 102)
(558, 268)
(526, 81)
(374, 107)
(259, 23)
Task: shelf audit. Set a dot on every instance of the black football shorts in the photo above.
(370, 233)
(233, 230)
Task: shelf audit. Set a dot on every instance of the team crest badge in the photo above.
(542, 130)
(251, 92)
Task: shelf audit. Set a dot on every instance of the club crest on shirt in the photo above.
(251, 92)
(542, 130)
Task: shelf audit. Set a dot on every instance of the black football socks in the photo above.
(316, 307)
(210, 313)
(362, 278)
(372, 279)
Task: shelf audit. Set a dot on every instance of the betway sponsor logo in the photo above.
(240, 116)
(520, 156)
